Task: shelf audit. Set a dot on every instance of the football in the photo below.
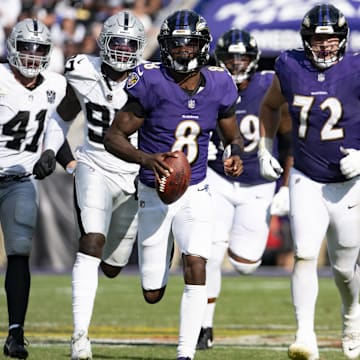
(171, 188)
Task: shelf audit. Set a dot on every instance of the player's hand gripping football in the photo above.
(270, 168)
(156, 162)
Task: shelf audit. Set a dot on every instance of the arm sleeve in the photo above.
(56, 132)
(64, 155)
(134, 106)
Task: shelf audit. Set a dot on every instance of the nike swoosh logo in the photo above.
(140, 72)
(353, 348)
(80, 60)
(350, 207)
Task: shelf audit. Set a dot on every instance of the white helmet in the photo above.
(122, 41)
(29, 47)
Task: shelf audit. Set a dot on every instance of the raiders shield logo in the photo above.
(132, 80)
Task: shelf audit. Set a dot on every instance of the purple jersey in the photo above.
(176, 120)
(324, 107)
(247, 111)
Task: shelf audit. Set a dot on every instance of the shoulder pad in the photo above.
(82, 67)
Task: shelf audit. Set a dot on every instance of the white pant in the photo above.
(189, 220)
(106, 209)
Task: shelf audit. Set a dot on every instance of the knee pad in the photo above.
(244, 268)
(344, 275)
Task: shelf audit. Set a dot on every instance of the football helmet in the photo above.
(29, 47)
(324, 19)
(122, 41)
(237, 51)
(184, 41)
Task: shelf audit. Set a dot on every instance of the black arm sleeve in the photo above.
(64, 155)
(229, 112)
(284, 146)
(133, 105)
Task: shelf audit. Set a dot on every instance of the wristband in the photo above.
(231, 150)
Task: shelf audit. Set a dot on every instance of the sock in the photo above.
(304, 288)
(84, 286)
(17, 287)
(209, 315)
(192, 308)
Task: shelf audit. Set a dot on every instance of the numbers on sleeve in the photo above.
(17, 129)
(186, 136)
(69, 66)
(249, 128)
(330, 130)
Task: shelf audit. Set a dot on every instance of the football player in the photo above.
(242, 204)
(321, 84)
(175, 105)
(104, 185)
(28, 95)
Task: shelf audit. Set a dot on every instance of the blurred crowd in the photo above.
(74, 24)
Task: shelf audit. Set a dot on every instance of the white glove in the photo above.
(350, 164)
(270, 168)
(212, 151)
(281, 202)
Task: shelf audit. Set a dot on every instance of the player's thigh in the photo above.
(154, 242)
(250, 227)
(93, 200)
(122, 233)
(344, 235)
(224, 203)
(193, 225)
(309, 217)
(18, 213)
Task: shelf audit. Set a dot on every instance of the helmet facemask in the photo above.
(237, 51)
(184, 41)
(29, 47)
(122, 41)
(185, 53)
(320, 28)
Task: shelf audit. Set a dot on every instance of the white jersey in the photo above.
(100, 99)
(24, 115)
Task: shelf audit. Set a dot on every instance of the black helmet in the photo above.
(232, 45)
(184, 28)
(324, 19)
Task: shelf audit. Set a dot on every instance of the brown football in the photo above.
(171, 188)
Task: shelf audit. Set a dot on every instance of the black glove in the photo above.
(45, 165)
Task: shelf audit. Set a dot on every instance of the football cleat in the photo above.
(15, 344)
(304, 348)
(205, 340)
(80, 347)
(351, 336)
(183, 358)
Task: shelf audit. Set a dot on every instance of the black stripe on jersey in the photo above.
(126, 21)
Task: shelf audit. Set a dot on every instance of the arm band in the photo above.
(231, 150)
(64, 155)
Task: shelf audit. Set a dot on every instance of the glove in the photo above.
(350, 164)
(45, 165)
(270, 168)
(212, 151)
(281, 202)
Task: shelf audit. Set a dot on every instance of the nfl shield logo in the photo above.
(51, 96)
(191, 104)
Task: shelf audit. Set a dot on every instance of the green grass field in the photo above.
(254, 319)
